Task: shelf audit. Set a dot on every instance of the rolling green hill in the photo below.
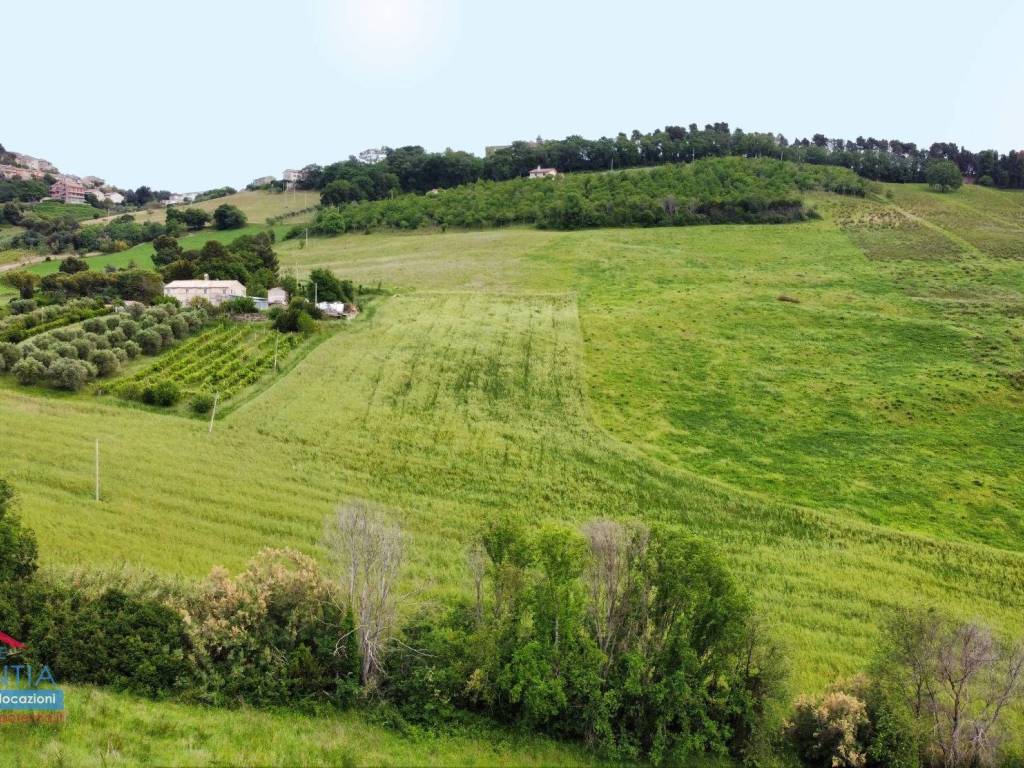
(258, 206)
(853, 448)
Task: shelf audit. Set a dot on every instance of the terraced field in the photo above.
(856, 449)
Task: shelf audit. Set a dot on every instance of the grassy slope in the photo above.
(258, 206)
(51, 209)
(142, 253)
(107, 730)
(579, 374)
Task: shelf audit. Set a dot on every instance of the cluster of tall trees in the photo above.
(63, 233)
(413, 169)
(250, 259)
(714, 190)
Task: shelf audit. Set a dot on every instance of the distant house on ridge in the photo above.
(541, 173)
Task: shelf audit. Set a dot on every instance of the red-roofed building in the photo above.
(68, 191)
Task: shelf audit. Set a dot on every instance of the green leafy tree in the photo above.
(18, 550)
(943, 175)
(73, 264)
(228, 217)
(165, 250)
(22, 281)
(328, 287)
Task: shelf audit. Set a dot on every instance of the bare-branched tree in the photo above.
(958, 680)
(368, 551)
(613, 593)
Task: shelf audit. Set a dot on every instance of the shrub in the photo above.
(9, 355)
(22, 306)
(66, 350)
(115, 639)
(830, 732)
(18, 549)
(239, 305)
(106, 362)
(202, 404)
(166, 334)
(95, 325)
(84, 347)
(164, 393)
(28, 370)
(132, 349)
(70, 374)
(44, 356)
(149, 341)
(295, 318)
(178, 326)
(280, 602)
(128, 327)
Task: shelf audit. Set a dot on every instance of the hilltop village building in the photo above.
(292, 177)
(68, 191)
(214, 291)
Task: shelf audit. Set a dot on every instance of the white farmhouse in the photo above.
(214, 291)
(542, 173)
(277, 297)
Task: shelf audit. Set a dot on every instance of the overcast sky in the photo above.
(195, 94)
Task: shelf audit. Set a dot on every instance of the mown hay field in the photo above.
(853, 450)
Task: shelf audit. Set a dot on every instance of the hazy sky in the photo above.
(190, 95)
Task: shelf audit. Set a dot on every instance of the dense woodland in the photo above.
(412, 169)
(710, 191)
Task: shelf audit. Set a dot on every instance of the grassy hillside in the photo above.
(857, 450)
(107, 730)
(258, 206)
(52, 209)
(142, 254)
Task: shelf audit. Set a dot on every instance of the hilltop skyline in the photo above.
(270, 87)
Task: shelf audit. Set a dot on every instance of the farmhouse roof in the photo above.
(204, 284)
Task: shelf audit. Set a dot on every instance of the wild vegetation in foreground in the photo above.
(539, 372)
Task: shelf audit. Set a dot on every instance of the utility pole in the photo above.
(213, 412)
(307, 238)
(97, 469)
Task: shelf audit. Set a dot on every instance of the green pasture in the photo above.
(853, 448)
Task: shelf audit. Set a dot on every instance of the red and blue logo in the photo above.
(21, 684)
(10, 642)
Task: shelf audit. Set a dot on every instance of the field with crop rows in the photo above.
(222, 360)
